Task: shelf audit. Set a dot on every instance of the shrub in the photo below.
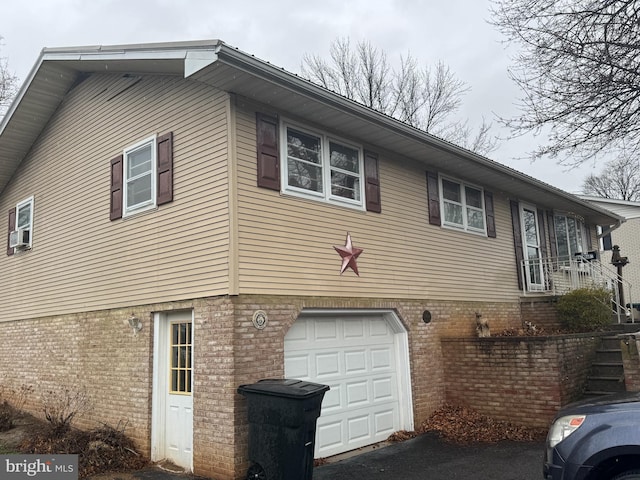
(62, 406)
(585, 309)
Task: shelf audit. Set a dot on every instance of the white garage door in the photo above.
(363, 358)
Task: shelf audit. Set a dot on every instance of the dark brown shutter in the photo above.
(165, 168)
(433, 195)
(268, 160)
(517, 240)
(372, 182)
(552, 234)
(489, 213)
(116, 188)
(12, 227)
(543, 234)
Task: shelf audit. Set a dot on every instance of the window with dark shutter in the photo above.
(607, 243)
(165, 168)
(268, 161)
(12, 226)
(517, 240)
(372, 182)
(490, 215)
(433, 194)
(116, 188)
(552, 234)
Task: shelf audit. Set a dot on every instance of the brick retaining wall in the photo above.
(523, 380)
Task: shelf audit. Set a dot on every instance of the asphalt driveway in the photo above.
(424, 457)
(427, 457)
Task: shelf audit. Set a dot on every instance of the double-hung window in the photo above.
(462, 205)
(322, 167)
(139, 176)
(24, 223)
(570, 235)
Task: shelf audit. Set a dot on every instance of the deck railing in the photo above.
(559, 275)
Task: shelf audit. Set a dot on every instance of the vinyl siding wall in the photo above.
(81, 260)
(286, 243)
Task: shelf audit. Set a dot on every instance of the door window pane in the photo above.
(181, 357)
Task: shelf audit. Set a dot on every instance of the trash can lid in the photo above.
(284, 387)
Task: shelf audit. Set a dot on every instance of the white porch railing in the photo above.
(559, 275)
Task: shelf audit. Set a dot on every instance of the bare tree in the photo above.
(425, 98)
(620, 179)
(8, 85)
(577, 68)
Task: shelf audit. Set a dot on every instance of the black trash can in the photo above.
(282, 427)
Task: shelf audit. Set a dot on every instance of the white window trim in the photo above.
(583, 231)
(464, 227)
(128, 211)
(326, 195)
(27, 201)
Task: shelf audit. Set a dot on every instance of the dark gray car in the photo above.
(596, 439)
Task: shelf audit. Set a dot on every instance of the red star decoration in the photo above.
(349, 255)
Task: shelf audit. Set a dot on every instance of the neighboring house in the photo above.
(172, 216)
(627, 237)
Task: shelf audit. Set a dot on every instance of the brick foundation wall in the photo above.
(97, 352)
(523, 380)
(631, 362)
(540, 311)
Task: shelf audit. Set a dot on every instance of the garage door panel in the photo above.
(381, 359)
(355, 362)
(329, 436)
(297, 366)
(332, 400)
(357, 394)
(354, 329)
(326, 329)
(379, 327)
(383, 388)
(356, 357)
(384, 422)
(358, 429)
(327, 364)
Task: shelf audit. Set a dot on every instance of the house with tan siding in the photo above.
(185, 218)
(627, 238)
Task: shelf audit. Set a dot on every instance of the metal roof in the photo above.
(217, 64)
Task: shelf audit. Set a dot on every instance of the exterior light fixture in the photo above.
(135, 324)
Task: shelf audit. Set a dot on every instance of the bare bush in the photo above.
(61, 406)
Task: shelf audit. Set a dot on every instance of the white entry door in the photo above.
(364, 360)
(534, 271)
(172, 434)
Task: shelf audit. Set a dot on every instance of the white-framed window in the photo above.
(139, 176)
(462, 205)
(322, 167)
(24, 219)
(570, 235)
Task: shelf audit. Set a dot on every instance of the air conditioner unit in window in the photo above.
(19, 238)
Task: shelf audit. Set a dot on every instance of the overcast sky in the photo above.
(281, 31)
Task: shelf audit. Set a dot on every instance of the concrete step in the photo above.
(610, 343)
(605, 384)
(607, 369)
(608, 355)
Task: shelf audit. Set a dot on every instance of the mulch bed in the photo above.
(462, 425)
